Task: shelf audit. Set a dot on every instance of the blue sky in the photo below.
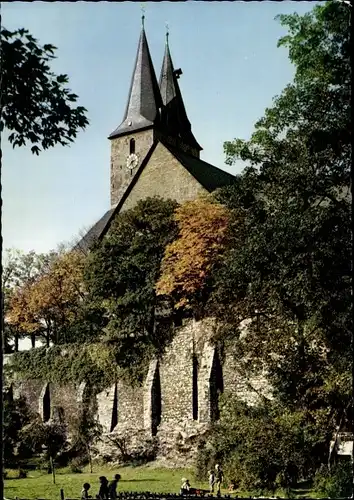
(231, 66)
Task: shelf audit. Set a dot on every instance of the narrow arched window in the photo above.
(216, 387)
(155, 402)
(132, 146)
(114, 419)
(46, 404)
(195, 388)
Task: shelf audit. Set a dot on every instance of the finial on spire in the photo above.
(142, 14)
(167, 32)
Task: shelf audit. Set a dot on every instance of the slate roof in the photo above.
(95, 232)
(144, 99)
(173, 115)
(207, 175)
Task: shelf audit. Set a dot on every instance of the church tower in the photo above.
(154, 112)
(153, 150)
(176, 127)
(132, 140)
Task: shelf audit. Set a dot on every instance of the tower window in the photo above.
(132, 146)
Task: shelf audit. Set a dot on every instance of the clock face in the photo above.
(132, 161)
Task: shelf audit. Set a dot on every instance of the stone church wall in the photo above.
(175, 405)
(164, 176)
(121, 176)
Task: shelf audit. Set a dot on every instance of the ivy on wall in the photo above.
(95, 364)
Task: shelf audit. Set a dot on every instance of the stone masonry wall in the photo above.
(248, 389)
(64, 401)
(121, 175)
(176, 403)
(31, 390)
(164, 176)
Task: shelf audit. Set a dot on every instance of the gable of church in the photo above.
(163, 176)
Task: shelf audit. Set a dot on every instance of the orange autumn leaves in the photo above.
(51, 303)
(51, 299)
(189, 259)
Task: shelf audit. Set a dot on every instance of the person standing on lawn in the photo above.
(112, 488)
(211, 481)
(219, 477)
(84, 491)
(103, 492)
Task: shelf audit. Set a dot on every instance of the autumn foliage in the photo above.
(189, 259)
(51, 301)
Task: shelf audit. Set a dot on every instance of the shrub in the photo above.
(261, 447)
(22, 474)
(146, 452)
(76, 466)
(338, 482)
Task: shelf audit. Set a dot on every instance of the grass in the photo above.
(40, 485)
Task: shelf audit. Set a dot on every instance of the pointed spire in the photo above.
(174, 115)
(144, 99)
(167, 80)
(167, 33)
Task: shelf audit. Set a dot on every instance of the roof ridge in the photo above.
(177, 152)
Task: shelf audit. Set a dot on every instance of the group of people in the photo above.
(216, 478)
(108, 490)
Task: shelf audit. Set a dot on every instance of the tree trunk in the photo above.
(53, 469)
(90, 458)
(33, 340)
(16, 342)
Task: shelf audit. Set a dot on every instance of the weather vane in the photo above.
(167, 31)
(142, 13)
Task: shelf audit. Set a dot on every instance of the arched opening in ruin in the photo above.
(155, 402)
(195, 388)
(58, 414)
(46, 404)
(114, 419)
(216, 385)
(9, 394)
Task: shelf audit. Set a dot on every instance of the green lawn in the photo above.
(40, 485)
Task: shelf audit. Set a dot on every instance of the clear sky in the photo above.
(231, 66)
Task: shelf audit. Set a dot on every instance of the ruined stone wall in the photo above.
(32, 390)
(247, 388)
(120, 408)
(175, 405)
(65, 402)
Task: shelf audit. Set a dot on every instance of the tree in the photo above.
(121, 274)
(263, 447)
(49, 437)
(36, 107)
(19, 270)
(16, 415)
(189, 259)
(85, 430)
(52, 303)
(295, 262)
(288, 267)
